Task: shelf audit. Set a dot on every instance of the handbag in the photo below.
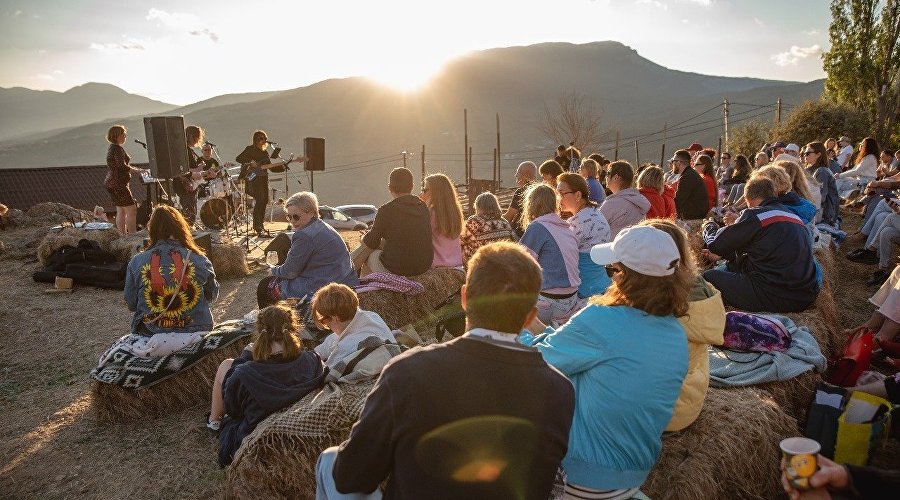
(754, 332)
(855, 358)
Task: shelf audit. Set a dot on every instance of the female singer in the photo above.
(193, 136)
(118, 176)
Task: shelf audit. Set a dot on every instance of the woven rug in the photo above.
(131, 372)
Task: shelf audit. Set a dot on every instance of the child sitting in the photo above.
(336, 307)
(270, 374)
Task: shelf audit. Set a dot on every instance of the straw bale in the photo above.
(825, 257)
(399, 309)
(730, 451)
(128, 245)
(229, 260)
(822, 322)
(187, 389)
(278, 459)
(50, 213)
(57, 239)
(795, 395)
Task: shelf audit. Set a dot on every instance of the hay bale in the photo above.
(51, 213)
(730, 451)
(190, 388)
(128, 245)
(278, 459)
(825, 257)
(822, 322)
(399, 310)
(56, 239)
(229, 260)
(795, 395)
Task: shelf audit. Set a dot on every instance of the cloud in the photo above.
(704, 3)
(181, 21)
(795, 53)
(811, 31)
(128, 44)
(654, 3)
(206, 32)
(758, 21)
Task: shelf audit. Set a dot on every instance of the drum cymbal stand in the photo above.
(248, 239)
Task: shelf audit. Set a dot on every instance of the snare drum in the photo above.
(217, 188)
(214, 212)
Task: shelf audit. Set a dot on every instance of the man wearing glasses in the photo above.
(690, 198)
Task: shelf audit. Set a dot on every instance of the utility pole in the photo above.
(466, 144)
(778, 112)
(423, 165)
(616, 156)
(404, 158)
(637, 159)
(497, 179)
(496, 170)
(725, 112)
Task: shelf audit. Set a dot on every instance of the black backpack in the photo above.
(86, 264)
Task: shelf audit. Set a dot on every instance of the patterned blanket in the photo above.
(121, 367)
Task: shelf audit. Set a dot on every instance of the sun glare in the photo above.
(404, 77)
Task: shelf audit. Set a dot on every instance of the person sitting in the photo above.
(169, 286)
(704, 166)
(486, 226)
(446, 214)
(734, 181)
(816, 158)
(318, 255)
(553, 243)
(623, 342)
(704, 325)
(590, 228)
(504, 442)
(549, 171)
(525, 176)
(336, 307)
(833, 480)
(625, 207)
(691, 199)
(99, 214)
(851, 182)
(270, 374)
(400, 239)
(661, 197)
(882, 249)
(802, 187)
(770, 263)
(589, 169)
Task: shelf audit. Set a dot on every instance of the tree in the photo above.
(747, 139)
(574, 119)
(819, 120)
(863, 63)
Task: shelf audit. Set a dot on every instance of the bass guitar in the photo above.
(254, 168)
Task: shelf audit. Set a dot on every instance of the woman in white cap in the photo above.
(627, 356)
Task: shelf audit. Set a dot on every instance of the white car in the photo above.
(339, 220)
(362, 213)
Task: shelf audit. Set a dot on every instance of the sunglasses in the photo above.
(294, 217)
(807, 153)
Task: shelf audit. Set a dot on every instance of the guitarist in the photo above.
(190, 181)
(255, 164)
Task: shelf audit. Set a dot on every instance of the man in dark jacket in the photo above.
(497, 429)
(400, 239)
(691, 200)
(770, 261)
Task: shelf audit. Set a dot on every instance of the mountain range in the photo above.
(367, 125)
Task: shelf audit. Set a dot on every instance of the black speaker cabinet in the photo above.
(166, 146)
(281, 244)
(314, 149)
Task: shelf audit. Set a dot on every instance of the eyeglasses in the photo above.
(294, 217)
(807, 153)
(563, 193)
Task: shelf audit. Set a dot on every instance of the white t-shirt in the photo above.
(844, 155)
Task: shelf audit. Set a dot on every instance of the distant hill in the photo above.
(27, 111)
(366, 125)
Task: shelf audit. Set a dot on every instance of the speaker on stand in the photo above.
(166, 148)
(314, 151)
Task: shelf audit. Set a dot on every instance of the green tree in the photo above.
(863, 63)
(748, 139)
(819, 120)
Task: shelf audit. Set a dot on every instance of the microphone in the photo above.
(209, 143)
(141, 143)
(270, 142)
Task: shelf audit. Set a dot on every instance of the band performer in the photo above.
(118, 176)
(190, 181)
(255, 165)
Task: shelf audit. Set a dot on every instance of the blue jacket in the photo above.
(153, 278)
(595, 189)
(830, 199)
(318, 256)
(804, 208)
(770, 244)
(552, 242)
(627, 368)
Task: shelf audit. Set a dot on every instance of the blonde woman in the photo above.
(446, 220)
(551, 241)
(661, 197)
(486, 226)
(118, 177)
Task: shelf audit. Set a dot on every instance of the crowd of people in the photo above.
(588, 276)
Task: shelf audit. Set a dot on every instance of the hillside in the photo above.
(27, 111)
(366, 126)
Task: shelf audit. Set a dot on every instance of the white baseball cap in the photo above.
(792, 147)
(644, 249)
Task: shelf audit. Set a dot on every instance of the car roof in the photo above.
(357, 206)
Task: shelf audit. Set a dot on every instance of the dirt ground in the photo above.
(52, 446)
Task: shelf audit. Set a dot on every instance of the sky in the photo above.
(183, 52)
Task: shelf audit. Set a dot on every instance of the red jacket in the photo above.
(661, 205)
(711, 190)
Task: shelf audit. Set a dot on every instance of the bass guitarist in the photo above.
(194, 177)
(255, 165)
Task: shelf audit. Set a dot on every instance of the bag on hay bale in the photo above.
(65, 236)
(399, 310)
(86, 263)
(127, 387)
(229, 260)
(730, 451)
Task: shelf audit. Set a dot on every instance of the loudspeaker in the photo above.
(203, 239)
(314, 149)
(166, 146)
(281, 244)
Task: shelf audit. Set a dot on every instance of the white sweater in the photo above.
(865, 168)
(364, 324)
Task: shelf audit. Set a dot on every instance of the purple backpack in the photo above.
(754, 332)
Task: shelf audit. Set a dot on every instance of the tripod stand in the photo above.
(233, 221)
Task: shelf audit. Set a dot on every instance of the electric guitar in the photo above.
(255, 168)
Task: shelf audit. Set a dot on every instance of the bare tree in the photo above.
(574, 120)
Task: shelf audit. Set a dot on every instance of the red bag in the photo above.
(846, 369)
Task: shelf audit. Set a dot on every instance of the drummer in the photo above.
(211, 168)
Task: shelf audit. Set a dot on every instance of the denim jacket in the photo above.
(318, 256)
(153, 277)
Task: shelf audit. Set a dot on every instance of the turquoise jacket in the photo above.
(627, 368)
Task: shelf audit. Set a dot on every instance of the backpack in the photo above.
(754, 332)
(452, 320)
(845, 369)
